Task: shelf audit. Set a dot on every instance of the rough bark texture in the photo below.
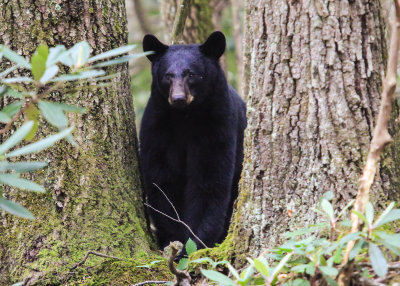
(315, 82)
(93, 199)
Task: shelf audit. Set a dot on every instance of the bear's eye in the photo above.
(191, 75)
(169, 76)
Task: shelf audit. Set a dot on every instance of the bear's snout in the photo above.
(179, 96)
(178, 100)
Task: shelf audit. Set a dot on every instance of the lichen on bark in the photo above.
(314, 82)
(94, 198)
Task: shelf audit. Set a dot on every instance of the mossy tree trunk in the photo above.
(94, 197)
(314, 71)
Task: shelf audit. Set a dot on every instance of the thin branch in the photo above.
(177, 220)
(180, 19)
(177, 215)
(150, 282)
(94, 253)
(381, 138)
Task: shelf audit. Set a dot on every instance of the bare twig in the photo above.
(380, 139)
(177, 220)
(94, 253)
(182, 278)
(180, 19)
(172, 205)
(150, 282)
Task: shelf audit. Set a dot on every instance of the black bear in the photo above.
(191, 141)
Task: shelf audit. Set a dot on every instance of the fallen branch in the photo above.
(381, 138)
(182, 278)
(94, 253)
(150, 282)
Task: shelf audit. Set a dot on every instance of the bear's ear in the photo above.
(214, 46)
(151, 43)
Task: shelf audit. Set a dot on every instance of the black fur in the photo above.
(193, 151)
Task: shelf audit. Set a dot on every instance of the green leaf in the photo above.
(330, 271)
(183, 263)
(32, 113)
(119, 60)
(349, 237)
(300, 282)
(218, 277)
(53, 114)
(13, 93)
(15, 209)
(306, 230)
(391, 216)
(80, 75)
(360, 216)
(49, 74)
(4, 118)
(233, 270)
(18, 284)
(80, 53)
(299, 268)
(70, 108)
(328, 209)
(310, 270)
(261, 265)
(17, 79)
(343, 211)
(14, 57)
(356, 249)
(38, 61)
(14, 180)
(190, 247)
(377, 259)
(279, 267)
(369, 213)
(55, 55)
(9, 70)
(393, 239)
(40, 145)
(246, 274)
(383, 214)
(21, 167)
(12, 108)
(43, 51)
(203, 260)
(328, 196)
(112, 53)
(17, 137)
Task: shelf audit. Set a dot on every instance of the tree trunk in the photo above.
(94, 197)
(315, 80)
(199, 23)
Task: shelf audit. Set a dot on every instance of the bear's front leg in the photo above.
(208, 193)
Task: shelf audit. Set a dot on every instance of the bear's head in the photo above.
(185, 74)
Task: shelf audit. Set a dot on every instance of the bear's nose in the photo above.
(179, 101)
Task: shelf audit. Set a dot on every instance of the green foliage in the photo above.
(34, 99)
(305, 258)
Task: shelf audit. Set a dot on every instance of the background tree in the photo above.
(314, 88)
(93, 199)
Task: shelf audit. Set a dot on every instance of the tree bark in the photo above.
(94, 197)
(199, 23)
(314, 71)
